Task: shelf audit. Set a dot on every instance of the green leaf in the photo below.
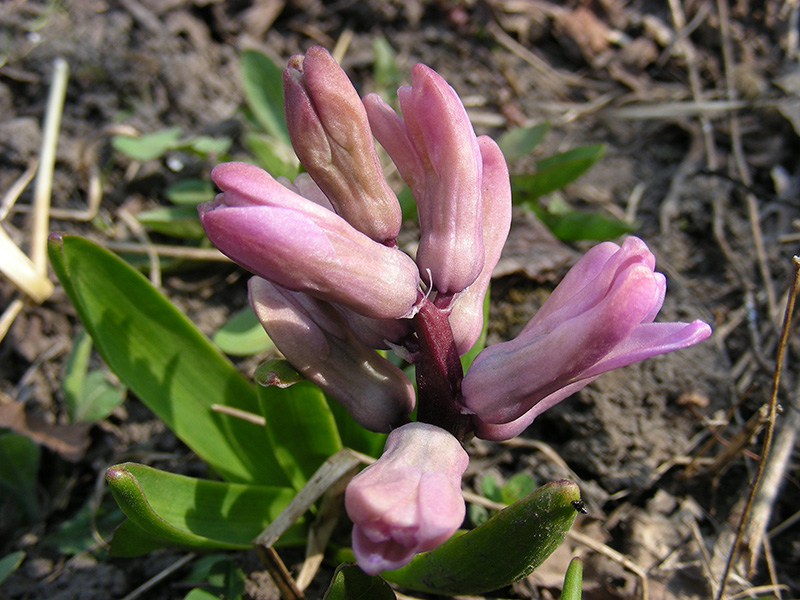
(386, 74)
(221, 573)
(274, 155)
(480, 343)
(478, 515)
(355, 436)
(79, 533)
(521, 142)
(573, 583)
(162, 357)
(301, 428)
(351, 583)
(179, 511)
(100, 397)
(9, 563)
(88, 396)
(408, 205)
(75, 374)
(175, 221)
(190, 192)
(19, 466)
(262, 81)
(519, 486)
(506, 548)
(554, 172)
(149, 146)
(205, 144)
(574, 225)
(278, 372)
(242, 335)
(491, 489)
(200, 594)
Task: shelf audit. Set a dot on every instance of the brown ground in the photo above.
(712, 190)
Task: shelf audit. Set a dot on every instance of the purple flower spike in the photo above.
(410, 500)
(466, 318)
(330, 133)
(283, 237)
(599, 318)
(316, 340)
(437, 154)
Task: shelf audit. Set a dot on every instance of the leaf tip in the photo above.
(116, 474)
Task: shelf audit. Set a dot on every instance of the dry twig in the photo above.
(770, 427)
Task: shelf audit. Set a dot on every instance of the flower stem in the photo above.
(439, 373)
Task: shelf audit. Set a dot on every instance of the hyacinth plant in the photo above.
(336, 295)
(331, 284)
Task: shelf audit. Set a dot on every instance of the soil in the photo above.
(701, 129)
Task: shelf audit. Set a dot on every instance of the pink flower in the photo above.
(330, 133)
(599, 318)
(410, 500)
(437, 154)
(466, 316)
(317, 340)
(300, 245)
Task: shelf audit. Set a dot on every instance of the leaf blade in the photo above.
(162, 357)
(513, 538)
(175, 510)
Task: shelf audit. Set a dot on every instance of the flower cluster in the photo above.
(332, 286)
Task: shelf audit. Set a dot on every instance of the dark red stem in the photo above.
(439, 373)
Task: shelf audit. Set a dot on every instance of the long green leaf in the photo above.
(75, 375)
(174, 510)
(573, 226)
(506, 548)
(162, 357)
(573, 580)
(262, 81)
(9, 563)
(300, 427)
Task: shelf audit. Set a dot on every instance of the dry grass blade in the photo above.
(770, 422)
(334, 472)
(185, 252)
(13, 193)
(47, 158)
(321, 532)
(22, 271)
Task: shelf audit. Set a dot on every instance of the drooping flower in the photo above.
(317, 340)
(599, 318)
(410, 500)
(300, 245)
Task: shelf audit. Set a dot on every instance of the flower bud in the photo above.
(283, 237)
(437, 154)
(598, 319)
(330, 133)
(317, 341)
(410, 500)
(466, 316)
